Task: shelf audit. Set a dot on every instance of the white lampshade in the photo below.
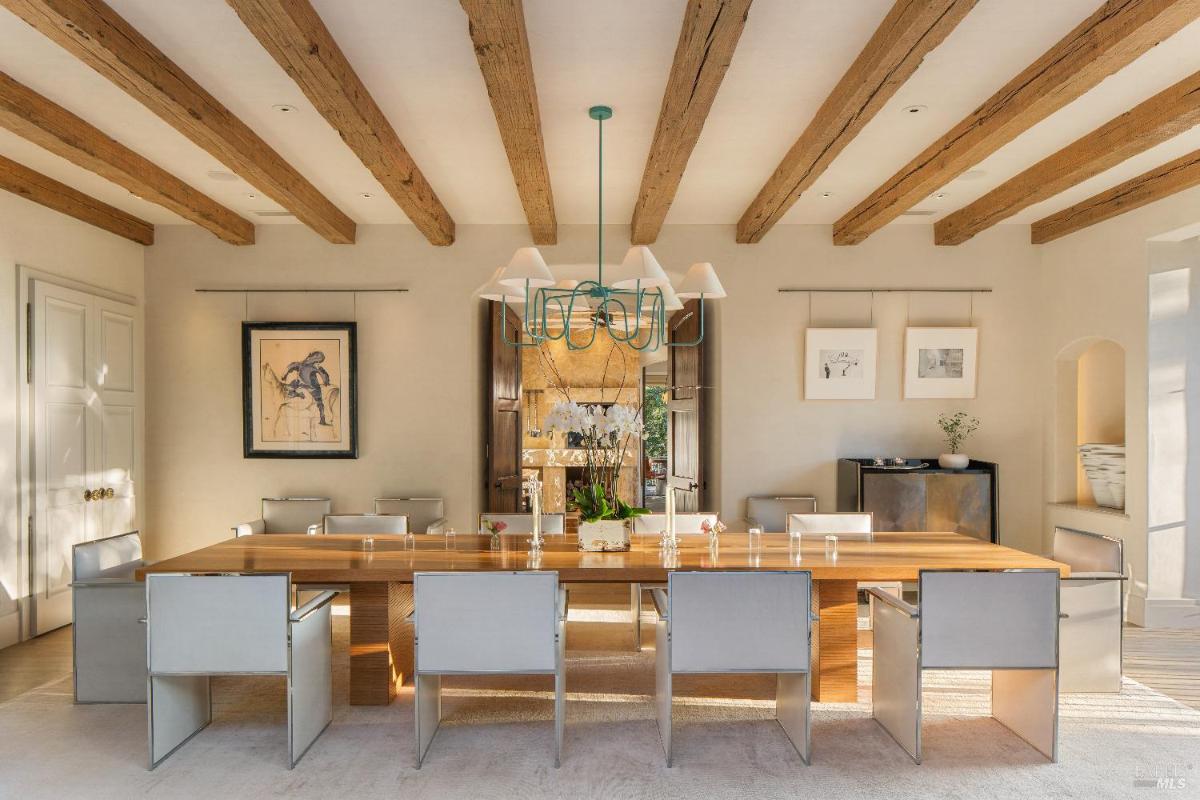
(639, 265)
(701, 279)
(494, 290)
(670, 299)
(527, 264)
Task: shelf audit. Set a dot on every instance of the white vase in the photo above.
(605, 535)
(953, 460)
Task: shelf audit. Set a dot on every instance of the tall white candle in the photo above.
(671, 514)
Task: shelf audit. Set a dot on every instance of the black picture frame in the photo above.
(350, 330)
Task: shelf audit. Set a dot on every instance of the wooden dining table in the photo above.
(380, 579)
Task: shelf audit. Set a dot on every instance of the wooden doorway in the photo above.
(502, 458)
(687, 431)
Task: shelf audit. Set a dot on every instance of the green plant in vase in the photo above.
(956, 428)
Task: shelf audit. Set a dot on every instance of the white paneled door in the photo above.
(85, 404)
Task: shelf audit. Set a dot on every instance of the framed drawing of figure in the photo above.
(299, 392)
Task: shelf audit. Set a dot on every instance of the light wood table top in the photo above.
(341, 558)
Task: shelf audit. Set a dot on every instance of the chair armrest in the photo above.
(1094, 576)
(323, 599)
(895, 602)
(660, 602)
(90, 583)
(437, 526)
(248, 528)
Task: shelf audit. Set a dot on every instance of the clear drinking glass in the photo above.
(831, 547)
(450, 540)
(368, 543)
(755, 536)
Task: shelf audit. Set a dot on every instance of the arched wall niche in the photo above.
(1090, 409)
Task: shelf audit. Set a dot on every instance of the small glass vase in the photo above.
(495, 542)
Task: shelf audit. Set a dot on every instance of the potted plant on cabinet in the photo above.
(604, 435)
(956, 428)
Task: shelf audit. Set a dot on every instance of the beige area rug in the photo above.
(495, 742)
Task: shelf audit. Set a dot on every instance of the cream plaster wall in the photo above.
(38, 238)
(1094, 284)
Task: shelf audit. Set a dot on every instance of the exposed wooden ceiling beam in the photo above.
(46, 191)
(1117, 33)
(1174, 176)
(710, 33)
(103, 40)
(1167, 114)
(293, 33)
(497, 29)
(48, 125)
(907, 34)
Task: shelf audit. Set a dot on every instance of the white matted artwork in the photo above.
(839, 363)
(940, 362)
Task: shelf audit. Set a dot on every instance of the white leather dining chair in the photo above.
(655, 525)
(771, 513)
(522, 633)
(1006, 622)
(554, 524)
(845, 525)
(425, 514)
(737, 622)
(851, 526)
(109, 606)
(1093, 606)
(204, 625)
(371, 524)
(287, 515)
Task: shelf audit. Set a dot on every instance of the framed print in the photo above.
(299, 393)
(839, 363)
(940, 362)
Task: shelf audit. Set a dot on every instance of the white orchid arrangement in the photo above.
(605, 435)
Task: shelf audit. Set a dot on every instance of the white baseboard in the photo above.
(1164, 612)
(10, 629)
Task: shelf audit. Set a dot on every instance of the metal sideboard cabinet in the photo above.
(918, 495)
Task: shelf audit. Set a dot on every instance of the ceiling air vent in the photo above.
(919, 212)
(274, 214)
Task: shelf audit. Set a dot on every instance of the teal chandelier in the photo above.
(633, 307)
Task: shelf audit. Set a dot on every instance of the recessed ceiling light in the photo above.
(251, 196)
(284, 108)
(826, 194)
(939, 195)
(366, 195)
(914, 109)
(222, 175)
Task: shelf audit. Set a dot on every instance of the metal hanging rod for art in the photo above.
(836, 290)
(304, 291)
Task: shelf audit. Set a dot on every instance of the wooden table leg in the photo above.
(381, 646)
(835, 645)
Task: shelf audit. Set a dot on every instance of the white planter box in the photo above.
(607, 534)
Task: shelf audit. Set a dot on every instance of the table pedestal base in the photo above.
(835, 643)
(381, 645)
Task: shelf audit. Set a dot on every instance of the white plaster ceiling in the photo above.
(416, 59)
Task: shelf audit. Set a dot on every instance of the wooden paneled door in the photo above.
(686, 448)
(503, 456)
(84, 446)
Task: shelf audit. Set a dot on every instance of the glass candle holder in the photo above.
(368, 543)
